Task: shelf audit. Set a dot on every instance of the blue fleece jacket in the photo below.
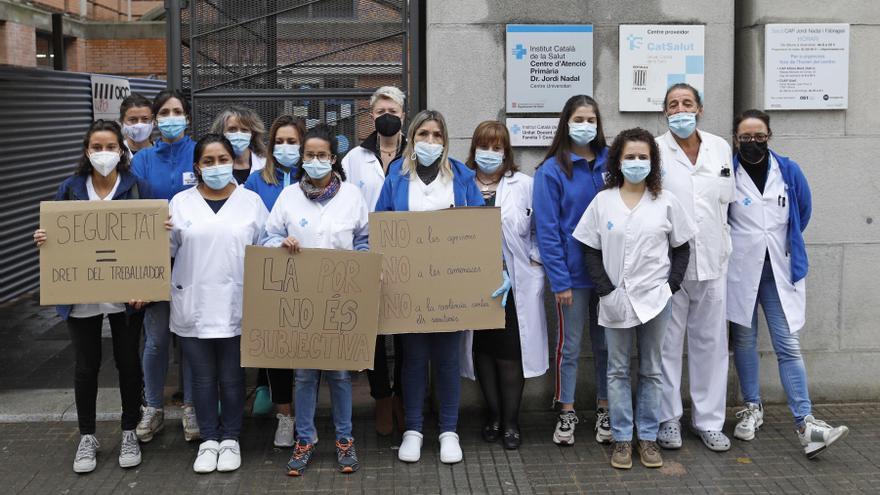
(268, 192)
(165, 167)
(395, 191)
(559, 203)
(799, 211)
(74, 188)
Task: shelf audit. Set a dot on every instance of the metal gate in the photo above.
(318, 59)
(43, 117)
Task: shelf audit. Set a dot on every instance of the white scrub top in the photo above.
(704, 192)
(332, 225)
(89, 310)
(364, 170)
(635, 252)
(208, 250)
(438, 195)
(758, 225)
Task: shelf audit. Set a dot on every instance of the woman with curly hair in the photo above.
(637, 251)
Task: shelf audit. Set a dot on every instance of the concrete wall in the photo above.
(466, 71)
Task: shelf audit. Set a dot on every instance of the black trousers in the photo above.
(85, 333)
(380, 381)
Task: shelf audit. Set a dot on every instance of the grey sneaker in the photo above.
(669, 435)
(284, 431)
(750, 420)
(603, 426)
(129, 450)
(621, 457)
(152, 422)
(819, 435)
(716, 441)
(649, 453)
(565, 423)
(190, 424)
(86, 455)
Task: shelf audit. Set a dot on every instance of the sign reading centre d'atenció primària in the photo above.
(104, 252)
(547, 64)
(806, 66)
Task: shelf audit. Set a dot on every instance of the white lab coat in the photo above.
(635, 252)
(704, 193)
(758, 224)
(519, 247)
(333, 225)
(208, 250)
(364, 170)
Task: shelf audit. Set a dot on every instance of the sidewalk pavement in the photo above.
(38, 439)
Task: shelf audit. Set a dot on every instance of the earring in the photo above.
(412, 157)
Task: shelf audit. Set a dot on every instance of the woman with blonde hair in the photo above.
(244, 128)
(427, 179)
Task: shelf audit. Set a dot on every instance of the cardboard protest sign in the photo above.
(316, 309)
(104, 251)
(440, 269)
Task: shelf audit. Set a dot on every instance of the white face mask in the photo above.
(138, 132)
(104, 161)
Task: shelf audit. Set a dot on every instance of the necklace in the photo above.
(393, 151)
(486, 185)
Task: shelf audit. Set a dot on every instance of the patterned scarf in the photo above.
(320, 194)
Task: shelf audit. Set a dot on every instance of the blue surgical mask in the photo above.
(172, 127)
(428, 153)
(239, 140)
(286, 154)
(218, 176)
(635, 171)
(488, 161)
(581, 133)
(683, 124)
(317, 169)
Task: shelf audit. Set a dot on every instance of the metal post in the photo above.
(129, 10)
(83, 8)
(58, 41)
(172, 30)
(417, 79)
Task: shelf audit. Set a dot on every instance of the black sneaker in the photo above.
(491, 431)
(511, 439)
(302, 454)
(565, 423)
(346, 456)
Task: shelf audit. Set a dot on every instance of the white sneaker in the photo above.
(750, 420)
(129, 450)
(410, 447)
(86, 455)
(565, 423)
(190, 424)
(206, 460)
(450, 450)
(229, 458)
(669, 435)
(284, 431)
(152, 422)
(819, 435)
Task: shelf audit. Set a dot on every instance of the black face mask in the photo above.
(753, 152)
(388, 125)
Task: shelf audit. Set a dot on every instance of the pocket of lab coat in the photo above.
(612, 307)
(183, 310)
(343, 235)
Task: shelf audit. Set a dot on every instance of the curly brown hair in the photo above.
(613, 174)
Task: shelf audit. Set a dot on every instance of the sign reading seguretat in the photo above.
(546, 65)
(104, 252)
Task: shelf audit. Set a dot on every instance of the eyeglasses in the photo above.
(322, 156)
(748, 138)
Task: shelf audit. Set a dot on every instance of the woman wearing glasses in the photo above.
(768, 266)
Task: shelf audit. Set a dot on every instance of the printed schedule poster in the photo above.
(654, 57)
(806, 66)
(547, 64)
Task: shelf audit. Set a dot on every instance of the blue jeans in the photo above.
(216, 374)
(572, 320)
(649, 339)
(306, 397)
(157, 342)
(442, 349)
(786, 345)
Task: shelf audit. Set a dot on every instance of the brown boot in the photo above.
(397, 406)
(649, 452)
(384, 423)
(621, 456)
